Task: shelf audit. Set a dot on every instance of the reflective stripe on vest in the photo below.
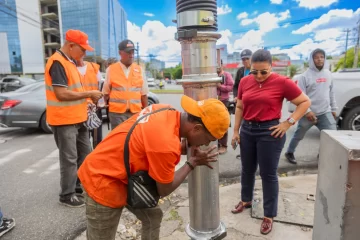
(64, 103)
(64, 112)
(125, 94)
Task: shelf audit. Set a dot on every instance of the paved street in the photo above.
(30, 180)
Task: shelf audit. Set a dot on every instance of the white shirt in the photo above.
(107, 85)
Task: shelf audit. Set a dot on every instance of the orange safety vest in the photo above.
(125, 92)
(90, 81)
(64, 112)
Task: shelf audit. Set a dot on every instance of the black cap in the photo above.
(126, 45)
(246, 53)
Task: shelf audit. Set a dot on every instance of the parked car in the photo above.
(347, 95)
(26, 107)
(11, 83)
(151, 82)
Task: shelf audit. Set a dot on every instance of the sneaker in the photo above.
(73, 202)
(6, 225)
(291, 158)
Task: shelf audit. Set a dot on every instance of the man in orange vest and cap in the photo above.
(66, 112)
(154, 149)
(124, 87)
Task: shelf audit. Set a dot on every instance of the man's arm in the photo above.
(302, 85)
(144, 101)
(229, 83)
(144, 92)
(106, 87)
(237, 81)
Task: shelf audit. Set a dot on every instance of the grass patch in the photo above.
(174, 215)
(165, 91)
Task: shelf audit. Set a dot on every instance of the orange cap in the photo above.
(78, 37)
(212, 112)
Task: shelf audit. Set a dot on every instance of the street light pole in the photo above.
(197, 34)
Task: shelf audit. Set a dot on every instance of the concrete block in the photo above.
(337, 206)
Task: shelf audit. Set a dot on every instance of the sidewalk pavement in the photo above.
(293, 207)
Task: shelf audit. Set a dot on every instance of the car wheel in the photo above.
(44, 125)
(150, 101)
(351, 120)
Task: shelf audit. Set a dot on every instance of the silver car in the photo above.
(9, 83)
(26, 107)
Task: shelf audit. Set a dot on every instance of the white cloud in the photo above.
(276, 1)
(149, 14)
(312, 4)
(242, 15)
(286, 25)
(255, 13)
(155, 38)
(252, 40)
(336, 18)
(331, 33)
(267, 21)
(303, 50)
(226, 39)
(224, 9)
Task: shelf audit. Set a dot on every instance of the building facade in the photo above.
(156, 64)
(21, 44)
(32, 30)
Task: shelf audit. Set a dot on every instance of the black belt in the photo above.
(251, 122)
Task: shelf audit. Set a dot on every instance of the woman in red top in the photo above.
(258, 108)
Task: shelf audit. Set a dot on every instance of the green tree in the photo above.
(293, 70)
(177, 74)
(350, 54)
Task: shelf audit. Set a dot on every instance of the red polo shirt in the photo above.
(263, 102)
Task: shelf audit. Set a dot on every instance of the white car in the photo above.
(347, 95)
(151, 82)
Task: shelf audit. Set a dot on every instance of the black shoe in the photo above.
(291, 158)
(73, 202)
(6, 225)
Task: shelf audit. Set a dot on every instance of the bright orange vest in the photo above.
(90, 81)
(64, 112)
(125, 92)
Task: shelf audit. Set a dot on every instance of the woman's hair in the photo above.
(261, 55)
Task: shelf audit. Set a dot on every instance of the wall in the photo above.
(9, 25)
(30, 36)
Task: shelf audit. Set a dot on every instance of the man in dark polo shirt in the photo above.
(66, 112)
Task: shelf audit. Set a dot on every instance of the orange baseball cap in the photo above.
(212, 112)
(78, 37)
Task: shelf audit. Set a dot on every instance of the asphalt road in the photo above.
(29, 185)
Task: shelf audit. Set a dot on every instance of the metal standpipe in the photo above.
(197, 26)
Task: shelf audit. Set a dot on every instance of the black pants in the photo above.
(257, 146)
(99, 136)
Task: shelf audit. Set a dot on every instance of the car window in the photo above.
(8, 80)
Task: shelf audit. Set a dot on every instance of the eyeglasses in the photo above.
(262, 72)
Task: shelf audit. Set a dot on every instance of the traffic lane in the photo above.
(29, 193)
(230, 166)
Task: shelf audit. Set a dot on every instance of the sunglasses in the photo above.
(262, 72)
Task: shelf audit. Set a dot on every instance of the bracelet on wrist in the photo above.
(190, 165)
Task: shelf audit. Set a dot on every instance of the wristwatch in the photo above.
(291, 121)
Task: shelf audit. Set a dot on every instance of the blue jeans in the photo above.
(257, 146)
(325, 121)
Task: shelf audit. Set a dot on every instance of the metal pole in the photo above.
(357, 46)
(197, 35)
(346, 46)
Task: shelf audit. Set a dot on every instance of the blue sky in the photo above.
(294, 27)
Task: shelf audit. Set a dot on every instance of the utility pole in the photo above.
(137, 49)
(357, 46)
(346, 46)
